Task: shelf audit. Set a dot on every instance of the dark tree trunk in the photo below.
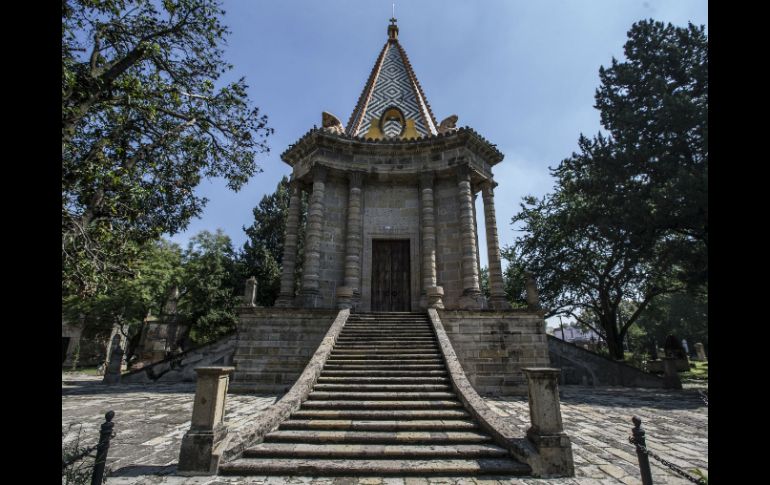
(614, 339)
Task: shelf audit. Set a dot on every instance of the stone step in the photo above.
(374, 467)
(370, 356)
(382, 387)
(300, 450)
(408, 380)
(364, 360)
(381, 437)
(357, 344)
(364, 395)
(410, 350)
(383, 414)
(392, 405)
(348, 366)
(386, 338)
(379, 425)
(383, 373)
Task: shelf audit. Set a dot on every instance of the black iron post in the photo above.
(101, 449)
(644, 461)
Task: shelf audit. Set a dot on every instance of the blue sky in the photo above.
(521, 73)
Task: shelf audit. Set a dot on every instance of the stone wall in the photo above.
(181, 367)
(493, 347)
(583, 367)
(449, 258)
(332, 246)
(274, 345)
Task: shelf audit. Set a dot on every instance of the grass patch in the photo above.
(700, 372)
(91, 371)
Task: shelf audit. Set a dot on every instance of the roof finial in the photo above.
(393, 28)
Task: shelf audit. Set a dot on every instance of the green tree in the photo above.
(628, 220)
(262, 254)
(144, 119)
(210, 288)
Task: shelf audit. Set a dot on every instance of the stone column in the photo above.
(497, 300)
(310, 273)
(670, 375)
(286, 296)
(433, 293)
(471, 291)
(546, 431)
(349, 294)
(200, 451)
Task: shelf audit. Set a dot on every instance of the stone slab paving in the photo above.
(150, 421)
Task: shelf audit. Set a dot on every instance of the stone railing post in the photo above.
(200, 452)
(546, 431)
(670, 375)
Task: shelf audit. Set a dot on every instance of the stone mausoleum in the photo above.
(391, 223)
(391, 227)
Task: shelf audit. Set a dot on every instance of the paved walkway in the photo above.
(150, 421)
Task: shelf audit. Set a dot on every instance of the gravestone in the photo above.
(700, 351)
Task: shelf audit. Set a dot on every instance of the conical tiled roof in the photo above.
(392, 84)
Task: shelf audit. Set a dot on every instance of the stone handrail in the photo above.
(502, 432)
(239, 440)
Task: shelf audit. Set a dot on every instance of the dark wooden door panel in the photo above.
(390, 276)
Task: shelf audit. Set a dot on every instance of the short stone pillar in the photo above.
(546, 431)
(200, 452)
(670, 375)
(250, 292)
(700, 352)
(112, 371)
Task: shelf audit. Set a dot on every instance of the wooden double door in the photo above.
(390, 276)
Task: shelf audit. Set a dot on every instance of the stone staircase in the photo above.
(383, 405)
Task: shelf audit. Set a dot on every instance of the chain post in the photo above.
(644, 461)
(101, 449)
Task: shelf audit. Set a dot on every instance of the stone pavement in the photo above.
(150, 421)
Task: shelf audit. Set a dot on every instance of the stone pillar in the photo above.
(310, 293)
(288, 278)
(112, 371)
(471, 291)
(349, 294)
(433, 293)
(200, 451)
(546, 431)
(700, 352)
(497, 300)
(670, 375)
(533, 297)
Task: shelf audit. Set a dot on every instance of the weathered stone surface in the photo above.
(580, 366)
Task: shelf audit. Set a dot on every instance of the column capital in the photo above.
(356, 179)
(426, 179)
(488, 185)
(319, 173)
(463, 173)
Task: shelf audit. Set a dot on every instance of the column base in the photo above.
(309, 299)
(472, 301)
(345, 297)
(199, 453)
(434, 296)
(499, 302)
(285, 301)
(555, 455)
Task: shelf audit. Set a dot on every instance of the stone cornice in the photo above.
(317, 139)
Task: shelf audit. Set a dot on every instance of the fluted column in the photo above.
(498, 300)
(349, 293)
(289, 261)
(470, 273)
(433, 293)
(310, 271)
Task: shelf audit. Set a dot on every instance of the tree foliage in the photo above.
(628, 220)
(262, 254)
(144, 119)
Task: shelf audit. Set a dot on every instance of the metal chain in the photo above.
(667, 463)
